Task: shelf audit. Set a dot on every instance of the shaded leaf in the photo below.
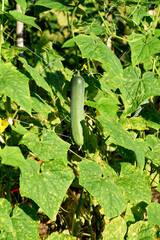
(100, 182)
(24, 19)
(40, 106)
(14, 84)
(36, 75)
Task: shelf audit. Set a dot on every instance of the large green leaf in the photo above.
(121, 137)
(24, 19)
(48, 187)
(142, 47)
(56, 5)
(134, 183)
(154, 152)
(115, 230)
(25, 223)
(105, 103)
(141, 230)
(14, 84)
(5, 211)
(48, 148)
(138, 89)
(153, 210)
(40, 106)
(93, 48)
(36, 75)
(100, 182)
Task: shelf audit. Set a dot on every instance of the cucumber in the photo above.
(77, 109)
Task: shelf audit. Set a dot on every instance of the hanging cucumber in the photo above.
(77, 109)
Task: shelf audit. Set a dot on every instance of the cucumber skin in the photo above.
(77, 109)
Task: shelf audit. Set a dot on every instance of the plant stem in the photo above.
(77, 212)
(8, 106)
(121, 38)
(72, 31)
(90, 223)
(107, 28)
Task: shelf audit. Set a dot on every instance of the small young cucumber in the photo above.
(77, 109)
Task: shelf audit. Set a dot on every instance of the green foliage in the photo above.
(103, 190)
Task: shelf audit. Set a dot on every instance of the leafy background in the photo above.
(51, 189)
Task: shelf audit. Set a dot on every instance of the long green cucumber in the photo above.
(77, 109)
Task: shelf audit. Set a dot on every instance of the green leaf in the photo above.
(10, 52)
(56, 5)
(141, 230)
(134, 184)
(153, 211)
(142, 47)
(69, 43)
(57, 236)
(48, 148)
(25, 223)
(40, 106)
(121, 137)
(22, 4)
(95, 28)
(14, 84)
(105, 103)
(36, 76)
(129, 216)
(116, 229)
(134, 123)
(24, 19)
(138, 89)
(154, 144)
(139, 14)
(100, 182)
(5, 211)
(55, 178)
(93, 48)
